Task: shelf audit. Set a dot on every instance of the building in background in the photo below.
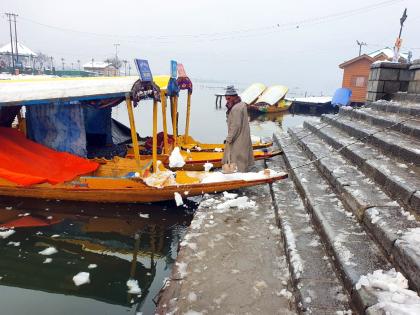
(26, 56)
(101, 68)
(356, 71)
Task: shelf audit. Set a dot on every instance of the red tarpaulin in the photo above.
(27, 163)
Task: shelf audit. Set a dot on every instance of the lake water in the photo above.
(105, 236)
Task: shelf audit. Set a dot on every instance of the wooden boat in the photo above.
(119, 179)
(185, 141)
(251, 93)
(272, 100)
(282, 106)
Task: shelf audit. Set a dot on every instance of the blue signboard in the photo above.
(173, 69)
(144, 70)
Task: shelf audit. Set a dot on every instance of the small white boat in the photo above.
(252, 93)
(272, 95)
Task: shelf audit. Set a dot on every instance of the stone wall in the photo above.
(386, 79)
(414, 86)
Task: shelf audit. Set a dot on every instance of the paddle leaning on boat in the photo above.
(50, 160)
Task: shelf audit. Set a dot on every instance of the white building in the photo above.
(101, 68)
(25, 54)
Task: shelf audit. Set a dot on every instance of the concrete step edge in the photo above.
(361, 298)
(330, 294)
(385, 235)
(359, 130)
(391, 183)
(377, 118)
(393, 107)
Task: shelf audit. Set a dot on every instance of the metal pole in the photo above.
(16, 40)
(11, 39)
(116, 55)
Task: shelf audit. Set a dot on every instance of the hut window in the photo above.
(359, 81)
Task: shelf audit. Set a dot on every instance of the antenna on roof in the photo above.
(398, 42)
(360, 46)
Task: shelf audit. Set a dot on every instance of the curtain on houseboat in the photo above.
(59, 127)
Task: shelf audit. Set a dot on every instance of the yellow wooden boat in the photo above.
(119, 179)
(195, 154)
(272, 100)
(185, 141)
(252, 92)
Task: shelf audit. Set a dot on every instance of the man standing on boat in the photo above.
(238, 148)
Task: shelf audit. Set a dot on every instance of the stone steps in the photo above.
(392, 107)
(399, 180)
(382, 216)
(318, 289)
(389, 120)
(391, 142)
(353, 251)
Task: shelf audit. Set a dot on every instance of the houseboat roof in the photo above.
(22, 50)
(387, 52)
(44, 90)
(97, 64)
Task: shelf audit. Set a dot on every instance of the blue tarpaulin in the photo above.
(61, 128)
(98, 122)
(342, 97)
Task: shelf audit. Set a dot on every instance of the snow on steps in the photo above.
(354, 252)
(385, 120)
(394, 107)
(317, 288)
(392, 142)
(400, 180)
(385, 218)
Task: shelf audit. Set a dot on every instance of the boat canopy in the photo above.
(65, 91)
(167, 84)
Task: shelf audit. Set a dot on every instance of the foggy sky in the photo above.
(236, 41)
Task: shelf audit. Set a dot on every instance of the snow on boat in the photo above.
(40, 168)
(251, 93)
(272, 100)
(186, 142)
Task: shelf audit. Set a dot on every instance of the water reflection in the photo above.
(124, 241)
(274, 117)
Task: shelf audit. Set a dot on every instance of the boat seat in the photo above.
(108, 152)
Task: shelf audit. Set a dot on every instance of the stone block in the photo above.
(369, 85)
(391, 86)
(416, 75)
(373, 74)
(406, 255)
(415, 202)
(388, 74)
(412, 87)
(379, 221)
(405, 75)
(376, 86)
(372, 96)
(404, 86)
